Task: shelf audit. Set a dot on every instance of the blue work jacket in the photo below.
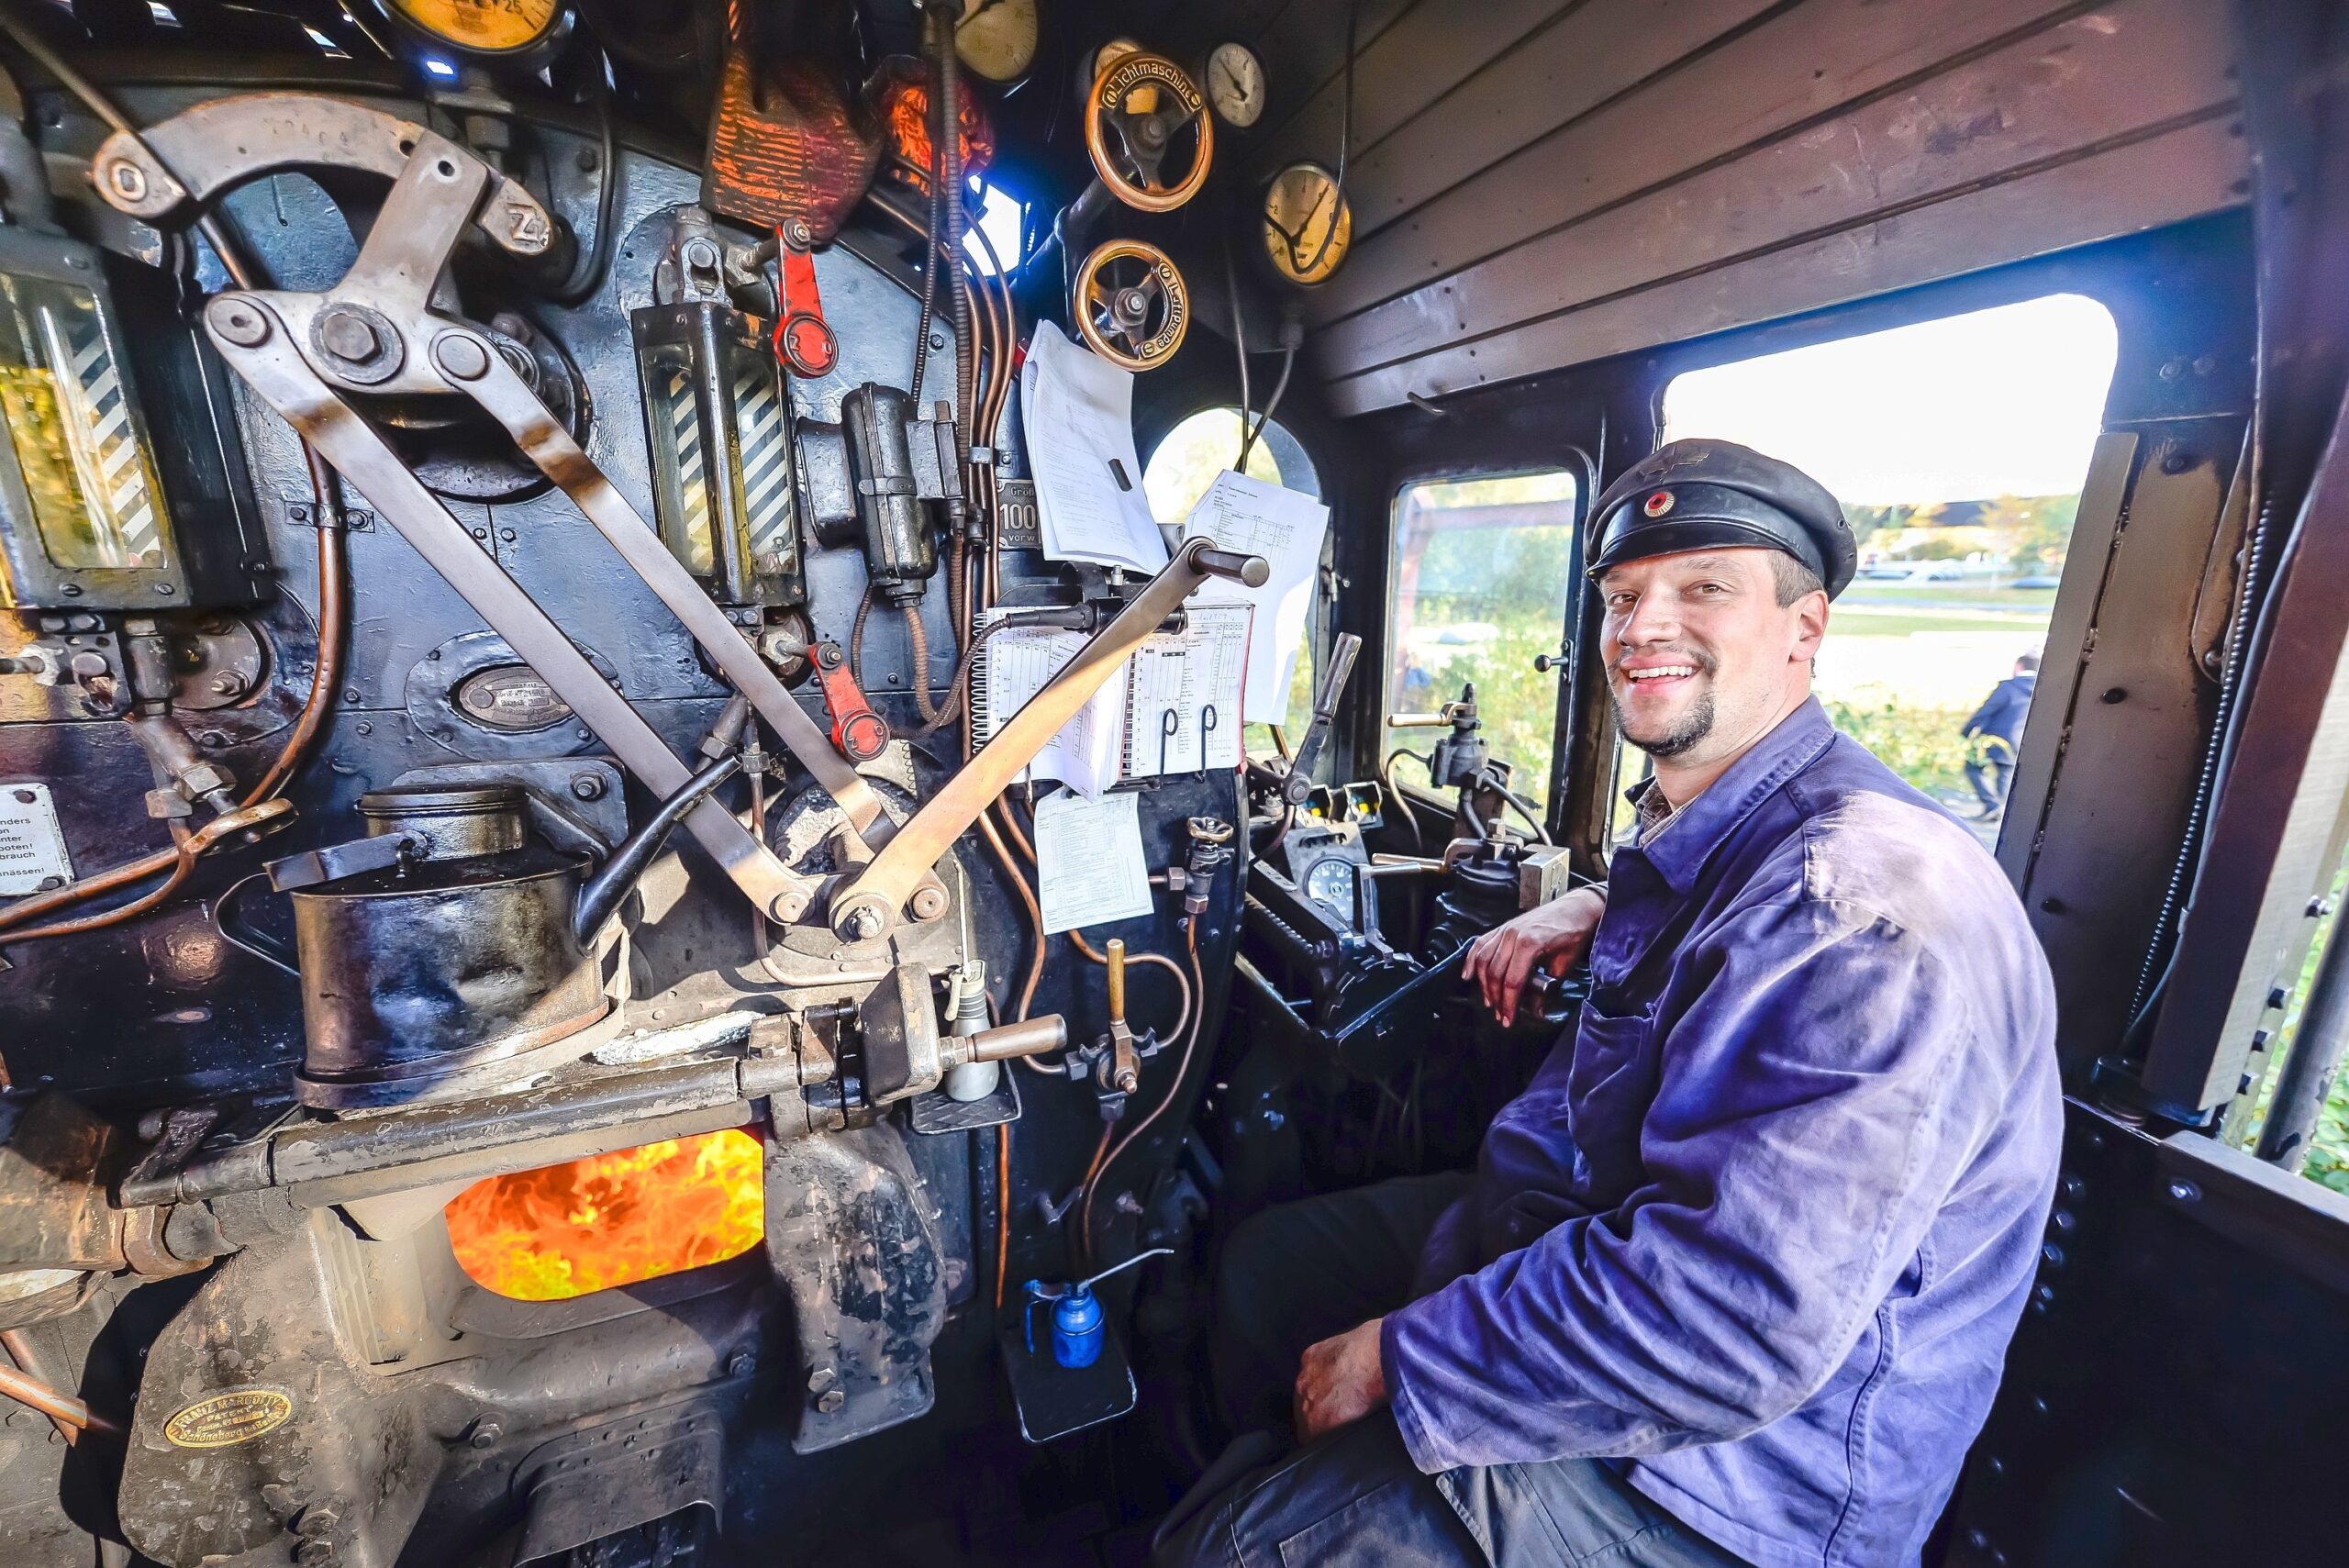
(1760, 1229)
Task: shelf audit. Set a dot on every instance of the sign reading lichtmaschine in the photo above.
(32, 849)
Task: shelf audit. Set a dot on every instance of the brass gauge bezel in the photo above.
(414, 18)
(1282, 252)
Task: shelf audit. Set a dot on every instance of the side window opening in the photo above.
(1480, 574)
(1958, 448)
(1178, 471)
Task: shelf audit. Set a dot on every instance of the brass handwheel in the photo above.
(1130, 304)
(1142, 110)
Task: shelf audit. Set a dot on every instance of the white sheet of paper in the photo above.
(1084, 755)
(1184, 714)
(1286, 529)
(1089, 865)
(1078, 411)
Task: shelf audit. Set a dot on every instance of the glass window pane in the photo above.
(1957, 448)
(1481, 575)
(1178, 471)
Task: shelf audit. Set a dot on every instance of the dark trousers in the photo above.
(1299, 1273)
(1989, 779)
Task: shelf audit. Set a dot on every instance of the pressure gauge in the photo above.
(997, 38)
(482, 27)
(1307, 226)
(1108, 55)
(1331, 883)
(1236, 84)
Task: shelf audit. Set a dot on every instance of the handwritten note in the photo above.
(1089, 865)
(1286, 529)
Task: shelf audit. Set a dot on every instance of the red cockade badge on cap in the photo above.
(1658, 504)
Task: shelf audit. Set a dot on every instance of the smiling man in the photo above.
(1735, 1273)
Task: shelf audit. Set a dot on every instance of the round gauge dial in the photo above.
(485, 26)
(1236, 84)
(1330, 882)
(997, 38)
(1108, 55)
(1307, 226)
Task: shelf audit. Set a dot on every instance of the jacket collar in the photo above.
(1680, 851)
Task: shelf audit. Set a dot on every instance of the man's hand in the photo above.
(1555, 936)
(1340, 1380)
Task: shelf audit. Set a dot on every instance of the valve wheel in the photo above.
(1138, 113)
(1131, 306)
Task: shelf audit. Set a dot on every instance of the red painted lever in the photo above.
(803, 339)
(859, 732)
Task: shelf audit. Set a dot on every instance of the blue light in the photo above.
(439, 68)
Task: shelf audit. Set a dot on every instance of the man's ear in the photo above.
(1810, 626)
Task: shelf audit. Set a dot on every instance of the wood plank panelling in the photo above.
(2078, 84)
(2182, 172)
(1431, 50)
(1427, 168)
(1790, 70)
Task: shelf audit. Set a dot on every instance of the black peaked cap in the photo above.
(1699, 495)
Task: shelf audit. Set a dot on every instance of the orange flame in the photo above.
(611, 1219)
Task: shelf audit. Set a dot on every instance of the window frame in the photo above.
(1576, 461)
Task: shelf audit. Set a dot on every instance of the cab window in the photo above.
(1178, 471)
(1480, 574)
(1958, 447)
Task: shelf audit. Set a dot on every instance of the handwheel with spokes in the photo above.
(1144, 115)
(1130, 304)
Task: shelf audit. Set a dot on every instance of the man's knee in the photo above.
(1352, 1498)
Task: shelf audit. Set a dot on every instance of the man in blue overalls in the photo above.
(1734, 1275)
(1996, 728)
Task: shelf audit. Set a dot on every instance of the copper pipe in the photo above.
(1173, 1088)
(72, 1416)
(1035, 916)
(1002, 1208)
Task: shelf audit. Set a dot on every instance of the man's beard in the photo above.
(1693, 727)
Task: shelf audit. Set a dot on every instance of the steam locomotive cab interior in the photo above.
(720, 723)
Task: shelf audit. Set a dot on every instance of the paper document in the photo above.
(1015, 666)
(1183, 703)
(1078, 412)
(1286, 529)
(1089, 865)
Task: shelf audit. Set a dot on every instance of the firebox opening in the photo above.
(611, 1219)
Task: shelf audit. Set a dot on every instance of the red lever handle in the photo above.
(859, 732)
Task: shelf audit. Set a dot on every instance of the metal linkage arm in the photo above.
(871, 901)
(258, 344)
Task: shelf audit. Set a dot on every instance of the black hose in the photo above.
(596, 262)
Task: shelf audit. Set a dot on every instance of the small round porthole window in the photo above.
(512, 699)
(1183, 464)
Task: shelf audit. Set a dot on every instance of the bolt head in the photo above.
(485, 1434)
(128, 180)
(238, 322)
(587, 786)
(929, 902)
(862, 923)
(347, 335)
(229, 683)
(462, 357)
(830, 1401)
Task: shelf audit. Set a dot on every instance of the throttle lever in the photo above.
(1296, 783)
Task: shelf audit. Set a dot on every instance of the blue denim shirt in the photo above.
(1760, 1231)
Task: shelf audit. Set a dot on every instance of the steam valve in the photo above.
(1113, 1061)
